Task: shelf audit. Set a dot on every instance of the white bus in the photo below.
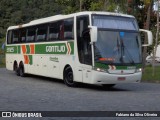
(90, 47)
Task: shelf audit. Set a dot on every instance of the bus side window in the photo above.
(22, 35)
(68, 29)
(31, 35)
(53, 31)
(61, 30)
(9, 37)
(15, 36)
(83, 40)
(41, 33)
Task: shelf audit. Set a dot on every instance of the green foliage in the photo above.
(108, 5)
(2, 61)
(140, 11)
(2, 41)
(2, 53)
(15, 12)
(147, 75)
(96, 6)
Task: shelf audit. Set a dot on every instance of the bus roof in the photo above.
(59, 17)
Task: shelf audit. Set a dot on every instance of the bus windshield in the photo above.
(118, 47)
(119, 44)
(114, 22)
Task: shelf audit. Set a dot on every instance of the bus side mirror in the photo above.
(93, 33)
(149, 36)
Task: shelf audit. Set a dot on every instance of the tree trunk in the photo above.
(145, 41)
(156, 42)
(80, 5)
(106, 3)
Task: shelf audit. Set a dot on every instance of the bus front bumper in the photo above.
(106, 78)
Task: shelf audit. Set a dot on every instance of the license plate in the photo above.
(121, 78)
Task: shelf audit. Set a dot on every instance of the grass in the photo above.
(2, 61)
(148, 77)
(2, 54)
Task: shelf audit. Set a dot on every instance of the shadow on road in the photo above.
(100, 88)
(80, 85)
(129, 87)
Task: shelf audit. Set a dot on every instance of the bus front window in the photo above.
(117, 47)
(118, 40)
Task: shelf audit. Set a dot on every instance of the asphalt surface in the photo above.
(36, 93)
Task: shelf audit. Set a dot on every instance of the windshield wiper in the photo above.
(123, 47)
(122, 51)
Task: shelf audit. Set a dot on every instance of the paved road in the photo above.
(35, 93)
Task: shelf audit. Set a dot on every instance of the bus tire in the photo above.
(16, 69)
(17, 72)
(108, 86)
(21, 71)
(68, 77)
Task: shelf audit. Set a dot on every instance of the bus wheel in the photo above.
(21, 71)
(68, 77)
(107, 86)
(17, 72)
(16, 69)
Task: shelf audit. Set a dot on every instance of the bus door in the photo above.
(84, 48)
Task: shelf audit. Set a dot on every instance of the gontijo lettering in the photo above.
(55, 48)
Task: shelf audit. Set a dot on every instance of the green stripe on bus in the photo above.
(56, 48)
(30, 59)
(19, 49)
(139, 65)
(101, 65)
(28, 49)
(105, 66)
(52, 48)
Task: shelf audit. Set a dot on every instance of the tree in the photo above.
(142, 10)
(15, 12)
(146, 26)
(156, 41)
(109, 5)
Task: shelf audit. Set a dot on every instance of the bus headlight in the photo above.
(100, 70)
(139, 70)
